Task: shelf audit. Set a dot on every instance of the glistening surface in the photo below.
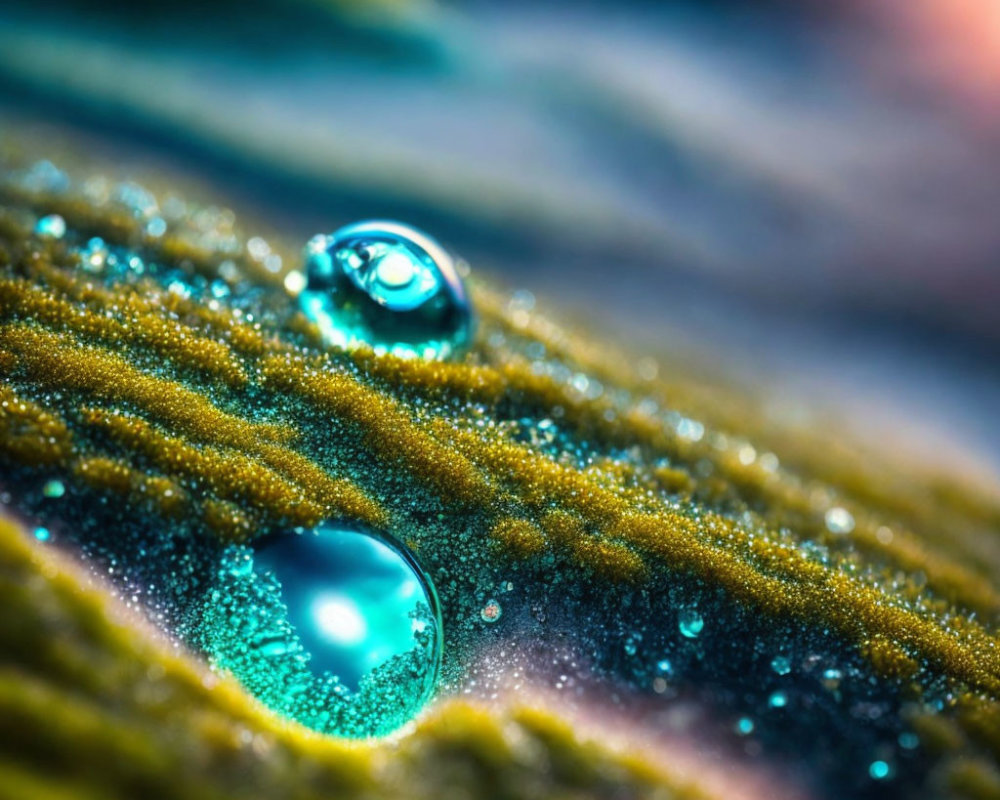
(650, 543)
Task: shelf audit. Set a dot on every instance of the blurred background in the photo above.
(805, 194)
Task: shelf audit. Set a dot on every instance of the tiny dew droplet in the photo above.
(42, 534)
(491, 612)
(777, 700)
(781, 665)
(744, 726)
(690, 623)
(388, 286)
(52, 227)
(839, 520)
(336, 627)
(879, 770)
(53, 489)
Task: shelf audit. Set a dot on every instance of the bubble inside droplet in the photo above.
(388, 286)
(336, 627)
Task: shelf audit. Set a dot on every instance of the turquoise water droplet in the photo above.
(337, 628)
(690, 623)
(777, 700)
(879, 770)
(42, 534)
(781, 665)
(744, 726)
(389, 286)
(53, 226)
(54, 489)
(664, 667)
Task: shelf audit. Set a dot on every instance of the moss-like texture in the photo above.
(616, 498)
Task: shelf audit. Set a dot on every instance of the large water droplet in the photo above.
(389, 286)
(337, 628)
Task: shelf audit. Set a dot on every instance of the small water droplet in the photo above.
(42, 534)
(879, 770)
(777, 700)
(839, 520)
(744, 726)
(54, 489)
(690, 623)
(781, 665)
(831, 678)
(389, 286)
(53, 227)
(156, 227)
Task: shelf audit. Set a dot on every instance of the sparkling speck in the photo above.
(839, 520)
(777, 700)
(42, 534)
(690, 623)
(879, 770)
(744, 726)
(54, 489)
(781, 665)
(53, 226)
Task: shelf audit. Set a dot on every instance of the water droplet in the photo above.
(778, 700)
(839, 520)
(744, 726)
(879, 770)
(781, 665)
(53, 226)
(909, 740)
(53, 489)
(831, 678)
(336, 627)
(156, 227)
(389, 286)
(664, 667)
(42, 534)
(690, 623)
(491, 612)
(94, 255)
